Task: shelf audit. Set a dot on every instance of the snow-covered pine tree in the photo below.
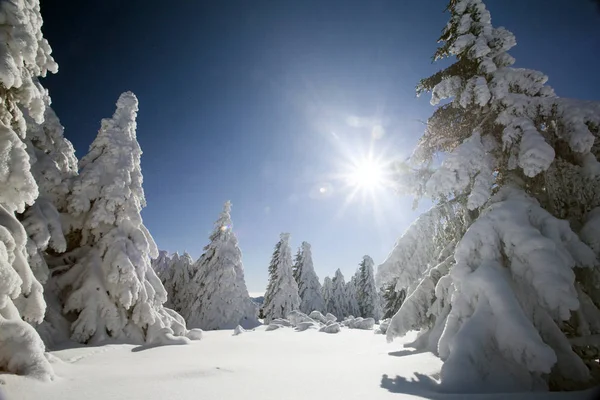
(25, 55)
(53, 165)
(327, 293)
(366, 291)
(339, 297)
(108, 285)
(281, 296)
(508, 305)
(309, 288)
(160, 264)
(352, 295)
(217, 294)
(176, 280)
(393, 300)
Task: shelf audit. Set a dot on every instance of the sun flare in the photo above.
(367, 174)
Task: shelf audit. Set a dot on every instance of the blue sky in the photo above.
(261, 103)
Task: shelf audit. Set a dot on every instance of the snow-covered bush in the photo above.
(108, 285)
(330, 318)
(359, 323)
(383, 326)
(331, 328)
(317, 316)
(495, 275)
(25, 55)
(309, 288)
(296, 317)
(238, 330)
(281, 296)
(303, 326)
(217, 297)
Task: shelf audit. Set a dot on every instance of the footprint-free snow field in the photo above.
(276, 365)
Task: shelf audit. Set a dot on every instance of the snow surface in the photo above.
(352, 364)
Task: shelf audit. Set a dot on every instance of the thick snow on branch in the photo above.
(515, 239)
(309, 288)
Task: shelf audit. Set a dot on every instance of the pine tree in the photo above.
(393, 300)
(160, 264)
(176, 280)
(309, 288)
(281, 296)
(367, 296)
(352, 295)
(339, 297)
(108, 284)
(25, 55)
(327, 294)
(512, 299)
(217, 297)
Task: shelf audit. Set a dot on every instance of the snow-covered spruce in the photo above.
(327, 294)
(522, 163)
(281, 296)
(161, 263)
(25, 55)
(352, 295)
(176, 280)
(392, 299)
(339, 297)
(110, 287)
(217, 297)
(366, 292)
(309, 288)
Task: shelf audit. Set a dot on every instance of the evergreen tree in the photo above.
(176, 280)
(160, 264)
(309, 288)
(512, 299)
(327, 294)
(352, 295)
(367, 296)
(108, 283)
(217, 297)
(281, 296)
(339, 297)
(25, 55)
(393, 300)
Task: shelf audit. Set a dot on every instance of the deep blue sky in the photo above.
(239, 100)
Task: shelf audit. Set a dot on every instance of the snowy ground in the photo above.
(276, 365)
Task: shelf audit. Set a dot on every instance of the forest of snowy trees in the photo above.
(501, 277)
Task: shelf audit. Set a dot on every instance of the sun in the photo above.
(367, 174)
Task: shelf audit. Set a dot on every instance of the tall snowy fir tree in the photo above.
(281, 296)
(392, 299)
(512, 303)
(352, 296)
(309, 288)
(217, 297)
(108, 285)
(366, 292)
(25, 56)
(327, 294)
(161, 263)
(176, 279)
(339, 297)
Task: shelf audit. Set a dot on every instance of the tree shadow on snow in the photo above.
(405, 352)
(421, 385)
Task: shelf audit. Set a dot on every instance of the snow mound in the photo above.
(360, 323)
(383, 326)
(238, 330)
(330, 317)
(296, 317)
(317, 316)
(333, 328)
(302, 326)
(282, 322)
(272, 326)
(194, 334)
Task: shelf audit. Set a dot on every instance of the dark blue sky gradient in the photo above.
(239, 100)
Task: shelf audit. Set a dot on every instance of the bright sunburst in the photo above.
(367, 174)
